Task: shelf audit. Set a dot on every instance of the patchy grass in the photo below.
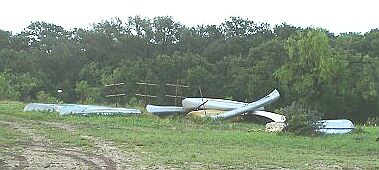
(181, 142)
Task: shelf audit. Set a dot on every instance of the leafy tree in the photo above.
(166, 34)
(44, 97)
(87, 94)
(7, 91)
(237, 26)
(264, 61)
(5, 38)
(372, 43)
(27, 86)
(17, 61)
(310, 66)
(285, 31)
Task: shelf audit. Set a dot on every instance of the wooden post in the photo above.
(145, 95)
(146, 91)
(115, 94)
(201, 95)
(177, 90)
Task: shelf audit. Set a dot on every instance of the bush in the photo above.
(43, 97)
(372, 121)
(86, 93)
(300, 120)
(7, 90)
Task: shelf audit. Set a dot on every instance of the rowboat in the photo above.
(209, 103)
(338, 126)
(69, 109)
(164, 110)
(272, 116)
(270, 98)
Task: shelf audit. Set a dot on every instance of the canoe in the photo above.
(270, 98)
(202, 113)
(339, 126)
(68, 109)
(164, 110)
(209, 103)
(272, 116)
(41, 107)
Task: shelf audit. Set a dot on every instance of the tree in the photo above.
(166, 34)
(284, 31)
(310, 66)
(27, 86)
(265, 60)
(17, 61)
(7, 91)
(5, 38)
(87, 94)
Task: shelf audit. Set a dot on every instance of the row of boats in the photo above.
(217, 109)
(220, 109)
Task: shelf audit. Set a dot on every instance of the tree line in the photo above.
(239, 59)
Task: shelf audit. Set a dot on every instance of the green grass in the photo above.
(182, 142)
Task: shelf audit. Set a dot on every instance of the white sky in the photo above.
(334, 15)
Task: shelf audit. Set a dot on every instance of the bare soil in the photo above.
(40, 152)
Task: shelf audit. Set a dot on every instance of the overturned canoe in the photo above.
(67, 109)
(339, 126)
(209, 103)
(269, 115)
(42, 107)
(270, 98)
(272, 116)
(164, 110)
(92, 109)
(202, 113)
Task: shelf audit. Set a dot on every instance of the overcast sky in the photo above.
(334, 15)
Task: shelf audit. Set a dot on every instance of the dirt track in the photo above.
(39, 152)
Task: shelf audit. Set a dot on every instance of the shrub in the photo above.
(300, 120)
(86, 93)
(7, 90)
(372, 121)
(44, 97)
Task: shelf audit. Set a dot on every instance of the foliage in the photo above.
(239, 58)
(27, 85)
(7, 91)
(44, 97)
(87, 94)
(373, 121)
(308, 66)
(300, 120)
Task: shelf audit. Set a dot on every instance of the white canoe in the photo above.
(273, 116)
(339, 126)
(41, 107)
(270, 98)
(164, 110)
(209, 103)
(68, 109)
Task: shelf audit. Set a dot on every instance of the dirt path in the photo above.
(39, 152)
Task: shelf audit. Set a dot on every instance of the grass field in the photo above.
(34, 140)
